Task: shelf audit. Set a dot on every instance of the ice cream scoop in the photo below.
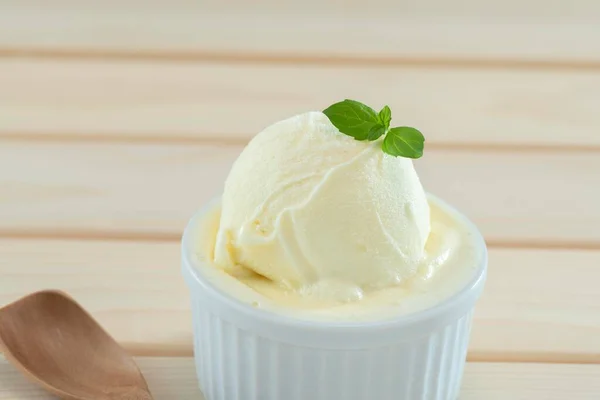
(320, 212)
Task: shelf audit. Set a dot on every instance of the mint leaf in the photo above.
(385, 117)
(353, 118)
(404, 141)
(376, 132)
(360, 121)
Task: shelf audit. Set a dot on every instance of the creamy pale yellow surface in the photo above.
(316, 223)
(315, 210)
(452, 255)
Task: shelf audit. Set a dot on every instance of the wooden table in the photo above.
(119, 119)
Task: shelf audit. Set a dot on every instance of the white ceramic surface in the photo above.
(246, 353)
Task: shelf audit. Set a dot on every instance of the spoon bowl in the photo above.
(58, 345)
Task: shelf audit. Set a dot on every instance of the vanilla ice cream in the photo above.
(453, 252)
(320, 213)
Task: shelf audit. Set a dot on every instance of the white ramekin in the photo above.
(247, 353)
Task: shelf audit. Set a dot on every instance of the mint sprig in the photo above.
(360, 121)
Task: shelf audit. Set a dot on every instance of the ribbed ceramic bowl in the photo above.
(247, 353)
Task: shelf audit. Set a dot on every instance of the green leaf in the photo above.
(385, 117)
(352, 118)
(376, 132)
(404, 141)
(360, 121)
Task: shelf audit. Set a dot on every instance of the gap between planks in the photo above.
(220, 139)
(166, 237)
(162, 350)
(166, 351)
(295, 59)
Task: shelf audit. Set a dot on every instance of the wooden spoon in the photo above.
(58, 345)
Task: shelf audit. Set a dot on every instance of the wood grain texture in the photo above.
(174, 379)
(490, 381)
(466, 29)
(118, 119)
(168, 379)
(126, 100)
(538, 304)
(151, 190)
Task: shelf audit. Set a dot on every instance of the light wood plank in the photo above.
(452, 106)
(538, 304)
(491, 381)
(174, 379)
(523, 198)
(532, 30)
(133, 289)
(168, 379)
